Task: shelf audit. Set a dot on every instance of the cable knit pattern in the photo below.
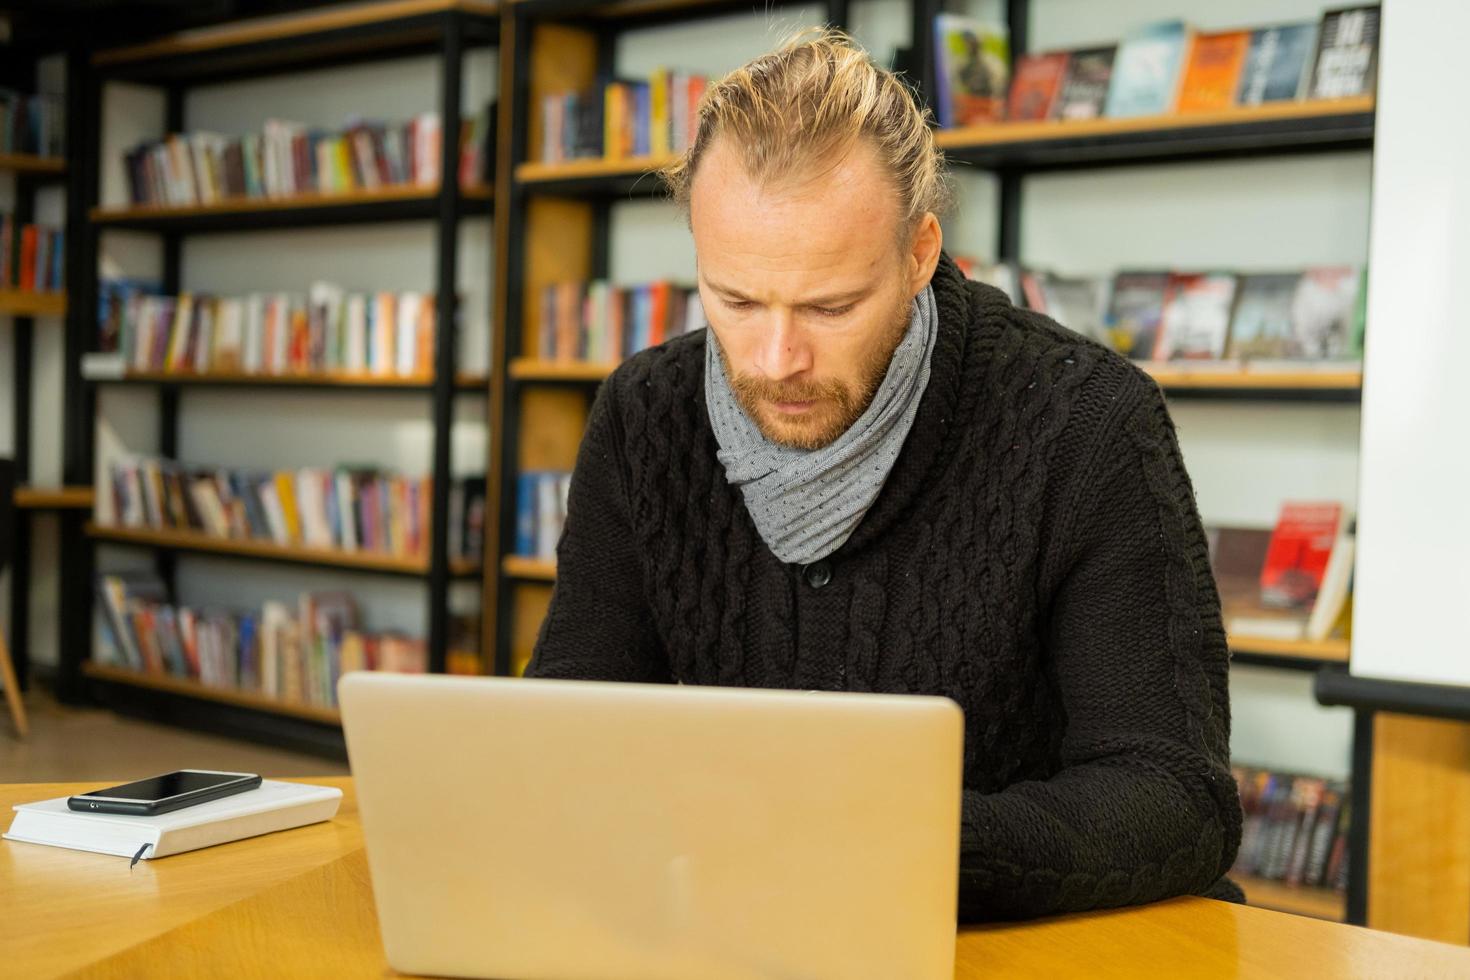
(1036, 554)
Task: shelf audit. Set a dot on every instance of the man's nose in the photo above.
(785, 352)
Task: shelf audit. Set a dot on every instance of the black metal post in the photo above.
(20, 566)
(1360, 793)
(20, 551)
(922, 25)
(1010, 181)
(506, 442)
(78, 556)
(837, 14)
(451, 56)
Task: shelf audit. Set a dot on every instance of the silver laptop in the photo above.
(564, 829)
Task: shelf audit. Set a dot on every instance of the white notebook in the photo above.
(269, 807)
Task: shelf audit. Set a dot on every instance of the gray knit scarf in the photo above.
(806, 503)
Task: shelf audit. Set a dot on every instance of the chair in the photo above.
(7, 545)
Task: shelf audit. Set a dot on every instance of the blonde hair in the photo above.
(810, 102)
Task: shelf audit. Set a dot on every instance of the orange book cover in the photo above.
(658, 301)
(28, 257)
(1213, 72)
(424, 362)
(300, 356)
(286, 490)
(1036, 85)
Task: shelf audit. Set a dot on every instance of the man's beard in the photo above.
(835, 406)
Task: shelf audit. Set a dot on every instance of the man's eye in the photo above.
(832, 310)
(739, 304)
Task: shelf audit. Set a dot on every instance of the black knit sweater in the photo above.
(1036, 555)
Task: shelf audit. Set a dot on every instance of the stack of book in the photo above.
(294, 653)
(289, 158)
(1160, 68)
(599, 322)
(1295, 828)
(329, 331)
(32, 257)
(541, 512)
(1294, 320)
(623, 118)
(351, 509)
(32, 124)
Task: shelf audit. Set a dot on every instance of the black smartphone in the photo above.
(160, 794)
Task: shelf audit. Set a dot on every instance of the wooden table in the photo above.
(299, 903)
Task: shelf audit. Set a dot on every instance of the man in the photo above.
(872, 475)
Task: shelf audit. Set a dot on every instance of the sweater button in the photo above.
(818, 574)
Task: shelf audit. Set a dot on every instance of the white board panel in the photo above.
(1413, 580)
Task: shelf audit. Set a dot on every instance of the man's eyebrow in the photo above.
(832, 299)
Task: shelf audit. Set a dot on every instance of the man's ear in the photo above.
(923, 257)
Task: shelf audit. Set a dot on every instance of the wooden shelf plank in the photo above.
(535, 171)
(530, 369)
(253, 205)
(54, 498)
(1170, 375)
(518, 566)
(1318, 903)
(208, 543)
(270, 380)
(246, 548)
(24, 302)
(194, 689)
(277, 29)
(1179, 378)
(28, 163)
(1003, 133)
(1335, 650)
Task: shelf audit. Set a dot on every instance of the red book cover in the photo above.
(28, 257)
(1036, 85)
(1297, 557)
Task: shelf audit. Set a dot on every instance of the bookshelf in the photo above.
(29, 310)
(175, 65)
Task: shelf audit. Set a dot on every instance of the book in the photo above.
(1212, 73)
(1146, 71)
(1347, 54)
(1335, 589)
(971, 71)
(1136, 312)
(1262, 323)
(1084, 93)
(1278, 63)
(1196, 317)
(1297, 559)
(1323, 312)
(1036, 85)
(1075, 303)
(1294, 829)
(270, 807)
